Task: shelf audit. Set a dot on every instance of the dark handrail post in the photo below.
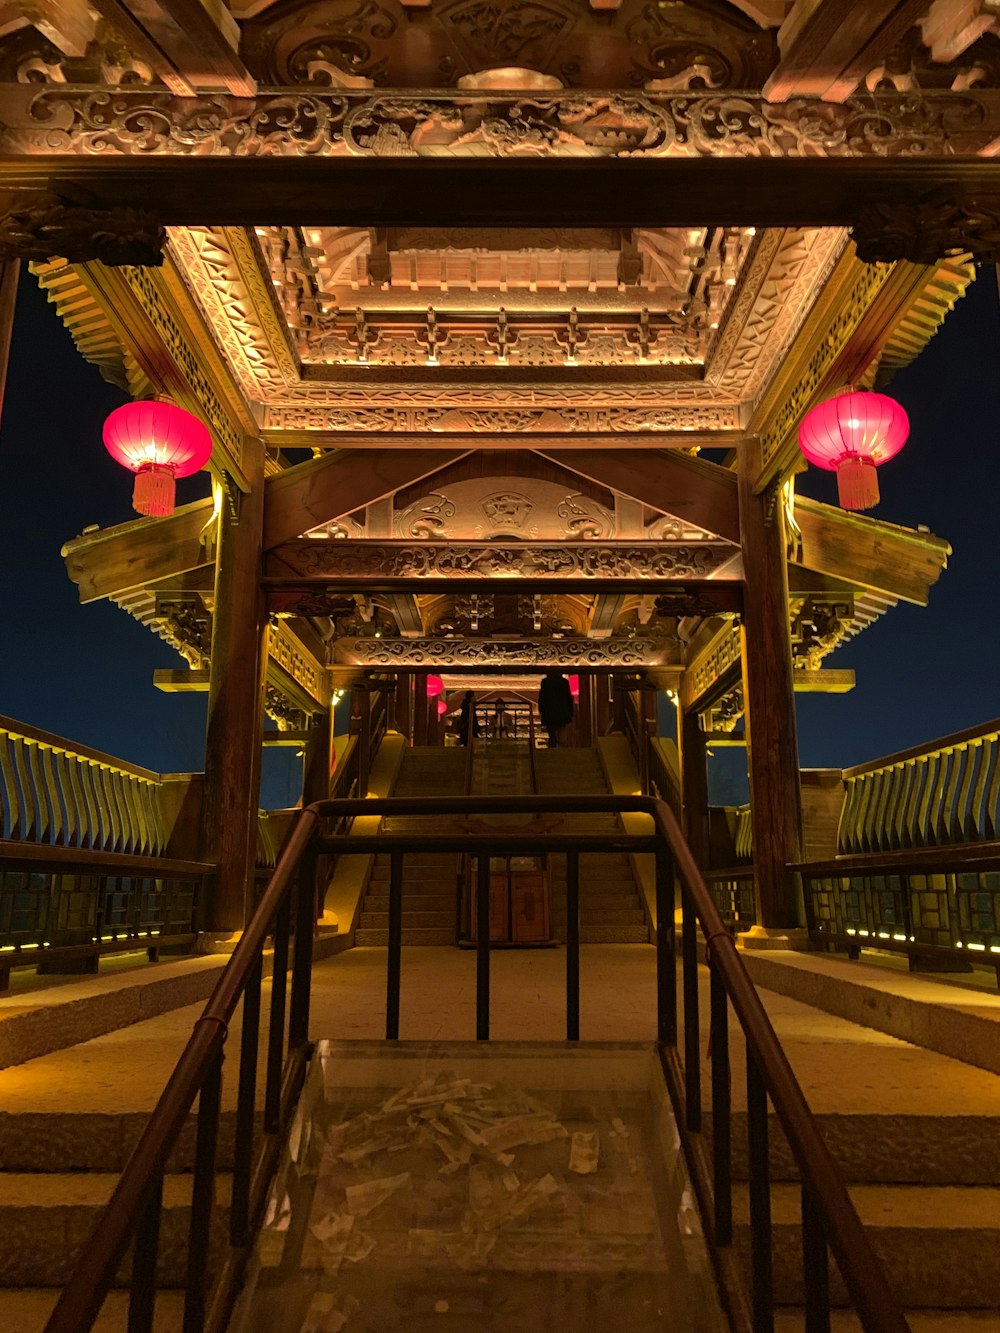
(239, 1209)
(395, 946)
(815, 1270)
(276, 1018)
(572, 946)
(142, 1287)
(483, 946)
(305, 922)
(762, 1278)
(666, 949)
(721, 1110)
(692, 1037)
(203, 1198)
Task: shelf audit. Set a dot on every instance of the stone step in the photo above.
(939, 1244)
(886, 1148)
(605, 934)
(26, 1310)
(412, 919)
(93, 1141)
(375, 938)
(46, 1218)
(420, 902)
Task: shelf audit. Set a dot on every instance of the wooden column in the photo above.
(694, 785)
(602, 703)
(769, 700)
(361, 726)
(319, 749)
(236, 704)
(404, 686)
(585, 709)
(420, 711)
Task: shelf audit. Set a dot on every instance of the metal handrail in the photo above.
(829, 1216)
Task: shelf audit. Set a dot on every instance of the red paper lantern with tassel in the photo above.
(158, 442)
(851, 435)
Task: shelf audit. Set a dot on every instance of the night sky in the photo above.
(86, 672)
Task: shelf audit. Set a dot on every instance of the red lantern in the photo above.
(442, 707)
(158, 442)
(434, 686)
(851, 435)
(574, 686)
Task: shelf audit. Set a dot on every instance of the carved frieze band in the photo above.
(300, 664)
(935, 226)
(368, 413)
(366, 560)
(499, 653)
(291, 122)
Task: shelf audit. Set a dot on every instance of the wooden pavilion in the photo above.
(503, 326)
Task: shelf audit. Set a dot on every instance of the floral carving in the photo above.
(40, 225)
(397, 653)
(937, 225)
(586, 560)
(290, 123)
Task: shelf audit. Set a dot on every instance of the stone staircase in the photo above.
(430, 880)
(611, 910)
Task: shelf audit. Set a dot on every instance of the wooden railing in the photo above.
(918, 869)
(829, 1219)
(936, 795)
(65, 795)
(83, 864)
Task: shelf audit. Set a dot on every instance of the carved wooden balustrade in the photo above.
(87, 864)
(918, 864)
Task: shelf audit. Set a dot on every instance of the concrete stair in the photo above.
(429, 881)
(611, 910)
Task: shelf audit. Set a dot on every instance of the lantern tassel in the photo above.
(154, 491)
(857, 483)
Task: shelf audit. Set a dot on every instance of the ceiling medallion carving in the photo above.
(506, 509)
(500, 653)
(341, 42)
(289, 123)
(345, 559)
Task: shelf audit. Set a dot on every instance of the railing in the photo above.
(918, 869)
(82, 865)
(929, 796)
(828, 1216)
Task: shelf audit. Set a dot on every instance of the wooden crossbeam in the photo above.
(133, 555)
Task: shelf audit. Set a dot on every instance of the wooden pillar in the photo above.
(420, 709)
(602, 703)
(236, 704)
(361, 726)
(769, 699)
(402, 709)
(694, 785)
(618, 703)
(585, 709)
(319, 751)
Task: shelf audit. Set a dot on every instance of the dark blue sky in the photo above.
(86, 672)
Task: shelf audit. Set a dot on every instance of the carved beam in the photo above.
(464, 438)
(869, 554)
(498, 654)
(310, 494)
(404, 609)
(607, 609)
(825, 680)
(43, 225)
(827, 47)
(315, 125)
(362, 561)
(133, 555)
(692, 489)
(713, 664)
